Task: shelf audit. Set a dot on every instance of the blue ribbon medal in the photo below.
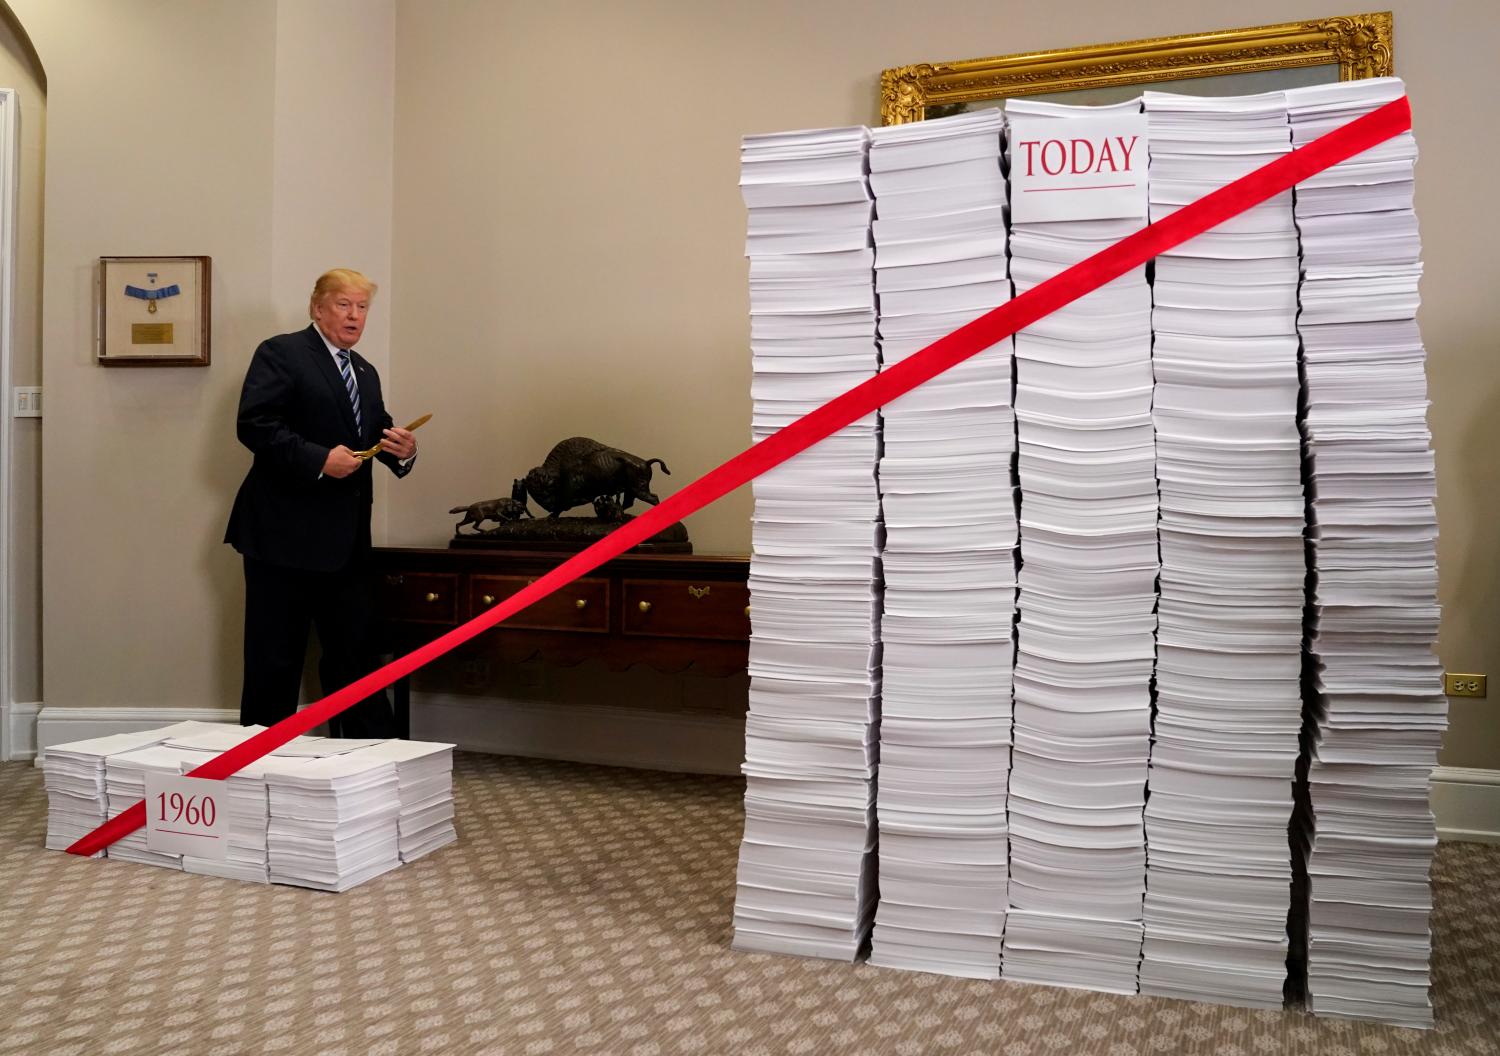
(154, 294)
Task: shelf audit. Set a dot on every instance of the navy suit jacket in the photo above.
(293, 410)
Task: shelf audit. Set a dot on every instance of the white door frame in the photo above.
(10, 125)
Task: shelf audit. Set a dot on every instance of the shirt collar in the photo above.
(333, 349)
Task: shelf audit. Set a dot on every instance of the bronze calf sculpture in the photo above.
(499, 510)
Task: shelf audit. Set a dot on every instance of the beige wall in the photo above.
(159, 131)
(334, 126)
(19, 71)
(564, 258)
(569, 231)
(258, 133)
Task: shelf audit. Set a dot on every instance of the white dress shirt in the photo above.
(334, 350)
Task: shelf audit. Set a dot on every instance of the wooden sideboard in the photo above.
(667, 611)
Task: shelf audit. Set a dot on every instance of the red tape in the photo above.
(1082, 278)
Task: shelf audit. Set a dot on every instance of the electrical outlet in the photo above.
(1463, 685)
(28, 401)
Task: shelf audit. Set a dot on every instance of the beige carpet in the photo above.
(584, 910)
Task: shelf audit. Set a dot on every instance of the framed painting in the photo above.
(1220, 62)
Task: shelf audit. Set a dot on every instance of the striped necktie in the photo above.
(351, 386)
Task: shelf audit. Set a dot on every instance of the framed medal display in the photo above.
(154, 311)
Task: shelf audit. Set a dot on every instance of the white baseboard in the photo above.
(709, 744)
(18, 730)
(1466, 802)
(646, 740)
(60, 725)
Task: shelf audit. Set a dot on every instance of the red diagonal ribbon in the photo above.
(1188, 222)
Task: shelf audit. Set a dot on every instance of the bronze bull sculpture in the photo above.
(578, 471)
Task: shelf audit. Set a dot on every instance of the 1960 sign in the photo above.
(186, 815)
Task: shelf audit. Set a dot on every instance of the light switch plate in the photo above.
(28, 401)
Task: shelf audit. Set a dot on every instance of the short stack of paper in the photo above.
(125, 777)
(74, 776)
(212, 738)
(333, 820)
(1088, 612)
(323, 747)
(246, 802)
(805, 880)
(247, 812)
(318, 812)
(1229, 643)
(76, 802)
(948, 499)
(1379, 710)
(424, 785)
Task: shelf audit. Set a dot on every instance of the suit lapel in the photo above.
(330, 372)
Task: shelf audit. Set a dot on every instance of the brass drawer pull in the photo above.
(698, 592)
(645, 606)
(488, 599)
(431, 596)
(747, 610)
(581, 603)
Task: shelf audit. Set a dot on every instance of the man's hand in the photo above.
(340, 462)
(399, 442)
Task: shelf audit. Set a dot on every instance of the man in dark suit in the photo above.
(302, 516)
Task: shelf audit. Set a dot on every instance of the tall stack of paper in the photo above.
(125, 780)
(333, 821)
(424, 786)
(948, 500)
(1229, 643)
(1088, 608)
(1378, 712)
(74, 776)
(806, 864)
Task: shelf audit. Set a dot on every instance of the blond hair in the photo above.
(335, 280)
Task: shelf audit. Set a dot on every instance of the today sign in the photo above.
(1091, 167)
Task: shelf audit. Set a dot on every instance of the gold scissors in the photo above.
(372, 452)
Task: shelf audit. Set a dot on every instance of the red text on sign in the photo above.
(194, 810)
(1078, 156)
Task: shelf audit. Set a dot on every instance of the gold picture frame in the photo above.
(154, 311)
(1360, 45)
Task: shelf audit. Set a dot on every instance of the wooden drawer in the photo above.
(664, 608)
(582, 605)
(419, 597)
